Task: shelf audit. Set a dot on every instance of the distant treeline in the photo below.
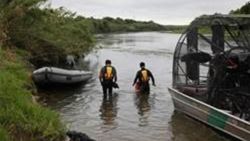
(175, 28)
(245, 9)
(109, 24)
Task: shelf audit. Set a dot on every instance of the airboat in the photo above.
(211, 73)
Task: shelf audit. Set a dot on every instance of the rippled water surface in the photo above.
(128, 116)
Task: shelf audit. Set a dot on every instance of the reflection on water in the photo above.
(143, 107)
(127, 116)
(185, 128)
(109, 109)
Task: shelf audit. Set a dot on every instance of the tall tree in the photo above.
(245, 9)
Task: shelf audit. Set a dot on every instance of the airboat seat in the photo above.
(193, 90)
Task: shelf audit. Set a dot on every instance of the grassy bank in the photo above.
(20, 117)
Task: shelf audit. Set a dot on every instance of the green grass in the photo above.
(4, 136)
(20, 117)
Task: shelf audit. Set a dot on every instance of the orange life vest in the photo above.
(108, 73)
(144, 76)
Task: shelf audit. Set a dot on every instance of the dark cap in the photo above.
(142, 64)
(107, 62)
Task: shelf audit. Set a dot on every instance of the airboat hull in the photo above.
(210, 115)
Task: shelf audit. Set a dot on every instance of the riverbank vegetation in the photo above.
(26, 31)
(21, 118)
(47, 34)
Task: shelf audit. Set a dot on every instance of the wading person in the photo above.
(108, 78)
(142, 79)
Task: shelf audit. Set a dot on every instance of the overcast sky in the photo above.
(161, 11)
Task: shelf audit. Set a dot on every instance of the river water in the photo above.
(129, 116)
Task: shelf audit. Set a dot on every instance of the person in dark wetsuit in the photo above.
(142, 77)
(107, 77)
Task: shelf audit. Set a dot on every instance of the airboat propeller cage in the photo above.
(208, 35)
